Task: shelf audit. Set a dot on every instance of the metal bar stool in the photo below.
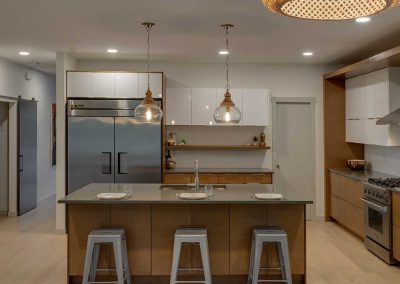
(115, 237)
(274, 236)
(190, 236)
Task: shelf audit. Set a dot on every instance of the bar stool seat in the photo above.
(190, 236)
(116, 238)
(274, 236)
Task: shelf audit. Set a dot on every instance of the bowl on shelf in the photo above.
(357, 165)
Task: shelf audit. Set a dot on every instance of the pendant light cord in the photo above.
(148, 29)
(227, 87)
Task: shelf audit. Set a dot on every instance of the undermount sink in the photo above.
(190, 187)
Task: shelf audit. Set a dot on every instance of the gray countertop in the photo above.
(218, 170)
(150, 193)
(360, 175)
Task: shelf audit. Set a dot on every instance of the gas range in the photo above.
(379, 189)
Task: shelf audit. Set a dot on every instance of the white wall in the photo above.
(41, 86)
(383, 159)
(283, 80)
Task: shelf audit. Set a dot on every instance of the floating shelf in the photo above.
(217, 147)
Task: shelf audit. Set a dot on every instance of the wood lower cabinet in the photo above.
(396, 225)
(219, 178)
(347, 207)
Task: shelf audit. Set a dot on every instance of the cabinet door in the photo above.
(355, 219)
(354, 191)
(237, 97)
(356, 96)
(256, 107)
(338, 209)
(203, 106)
(396, 242)
(126, 85)
(377, 134)
(378, 94)
(179, 106)
(337, 185)
(103, 85)
(177, 178)
(79, 84)
(258, 178)
(356, 131)
(156, 84)
(396, 209)
(231, 178)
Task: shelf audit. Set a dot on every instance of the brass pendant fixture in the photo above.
(329, 10)
(148, 111)
(227, 112)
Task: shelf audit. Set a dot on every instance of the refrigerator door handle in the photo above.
(21, 163)
(106, 165)
(122, 163)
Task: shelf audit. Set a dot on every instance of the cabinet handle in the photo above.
(21, 163)
(121, 171)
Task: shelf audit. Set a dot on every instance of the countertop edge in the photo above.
(219, 171)
(194, 202)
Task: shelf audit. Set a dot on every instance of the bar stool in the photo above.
(115, 237)
(190, 236)
(274, 236)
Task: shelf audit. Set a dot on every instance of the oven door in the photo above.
(377, 222)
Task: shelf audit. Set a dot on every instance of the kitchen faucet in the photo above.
(196, 176)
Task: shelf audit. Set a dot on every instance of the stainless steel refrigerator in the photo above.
(107, 145)
(27, 156)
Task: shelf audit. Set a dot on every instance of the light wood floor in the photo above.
(30, 253)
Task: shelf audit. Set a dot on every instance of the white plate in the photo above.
(193, 195)
(111, 195)
(271, 196)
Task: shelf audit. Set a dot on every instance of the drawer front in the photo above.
(396, 242)
(231, 178)
(338, 209)
(258, 178)
(208, 178)
(396, 209)
(177, 178)
(354, 191)
(355, 219)
(337, 185)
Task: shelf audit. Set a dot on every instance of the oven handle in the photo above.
(377, 207)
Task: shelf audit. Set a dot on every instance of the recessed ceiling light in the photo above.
(363, 20)
(24, 53)
(112, 50)
(223, 52)
(308, 53)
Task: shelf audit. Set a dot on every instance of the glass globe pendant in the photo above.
(227, 112)
(149, 110)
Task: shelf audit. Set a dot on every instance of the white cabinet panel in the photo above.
(156, 85)
(79, 84)
(179, 106)
(356, 131)
(237, 98)
(103, 85)
(356, 98)
(256, 107)
(377, 94)
(126, 85)
(203, 106)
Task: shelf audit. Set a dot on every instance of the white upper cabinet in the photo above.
(126, 85)
(256, 107)
(179, 106)
(79, 84)
(156, 84)
(203, 106)
(356, 98)
(103, 85)
(237, 98)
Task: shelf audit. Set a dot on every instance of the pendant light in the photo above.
(148, 111)
(227, 112)
(329, 10)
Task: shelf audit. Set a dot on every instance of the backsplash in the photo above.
(383, 159)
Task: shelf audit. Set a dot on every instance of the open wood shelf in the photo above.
(217, 147)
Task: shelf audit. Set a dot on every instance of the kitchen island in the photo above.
(150, 217)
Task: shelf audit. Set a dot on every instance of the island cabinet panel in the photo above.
(165, 220)
(258, 178)
(291, 219)
(219, 178)
(216, 220)
(136, 220)
(82, 219)
(396, 226)
(207, 178)
(177, 178)
(231, 178)
(243, 219)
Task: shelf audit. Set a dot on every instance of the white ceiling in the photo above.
(185, 30)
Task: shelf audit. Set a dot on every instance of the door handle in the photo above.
(21, 163)
(382, 209)
(122, 164)
(106, 165)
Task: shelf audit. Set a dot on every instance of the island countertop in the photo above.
(151, 194)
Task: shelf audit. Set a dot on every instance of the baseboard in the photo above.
(12, 214)
(60, 231)
(46, 197)
(3, 212)
(318, 218)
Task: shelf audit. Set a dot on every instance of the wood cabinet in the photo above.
(256, 107)
(179, 106)
(219, 178)
(203, 106)
(347, 207)
(126, 85)
(396, 225)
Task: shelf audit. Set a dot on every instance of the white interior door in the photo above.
(293, 148)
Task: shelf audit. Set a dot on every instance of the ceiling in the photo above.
(186, 30)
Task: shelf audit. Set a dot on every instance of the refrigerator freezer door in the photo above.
(90, 151)
(27, 153)
(137, 151)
